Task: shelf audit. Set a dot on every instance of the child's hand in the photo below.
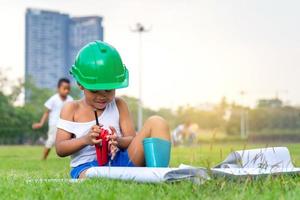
(91, 137)
(112, 142)
(37, 125)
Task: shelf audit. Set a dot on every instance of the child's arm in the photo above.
(65, 144)
(42, 120)
(126, 124)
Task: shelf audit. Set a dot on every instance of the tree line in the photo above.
(16, 121)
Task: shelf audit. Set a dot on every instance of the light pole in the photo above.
(140, 29)
(244, 117)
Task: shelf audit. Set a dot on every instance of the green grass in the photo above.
(20, 163)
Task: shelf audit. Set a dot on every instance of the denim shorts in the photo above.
(121, 160)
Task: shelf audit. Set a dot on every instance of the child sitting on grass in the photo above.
(98, 71)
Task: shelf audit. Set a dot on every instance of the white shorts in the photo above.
(51, 137)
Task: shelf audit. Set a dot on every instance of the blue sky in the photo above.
(197, 51)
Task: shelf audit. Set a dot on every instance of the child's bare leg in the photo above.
(46, 153)
(154, 126)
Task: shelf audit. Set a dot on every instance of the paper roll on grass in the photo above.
(157, 152)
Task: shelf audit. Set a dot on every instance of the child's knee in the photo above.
(159, 126)
(157, 120)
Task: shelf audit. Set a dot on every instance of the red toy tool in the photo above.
(102, 150)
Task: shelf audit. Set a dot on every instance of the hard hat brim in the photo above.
(103, 86)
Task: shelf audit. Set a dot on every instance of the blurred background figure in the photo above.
(53, 107)
(176, 135)
(184, 134)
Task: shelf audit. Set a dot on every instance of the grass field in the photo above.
(20, 163)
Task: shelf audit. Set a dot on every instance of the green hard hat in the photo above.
(98, 66)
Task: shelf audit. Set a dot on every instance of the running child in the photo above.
(53, 107)
(99, 71)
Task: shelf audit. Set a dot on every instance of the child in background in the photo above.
(98, 71)
(53, 107)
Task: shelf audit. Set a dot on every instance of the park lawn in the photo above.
(20, 163)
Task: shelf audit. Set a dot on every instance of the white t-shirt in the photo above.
(55, 104)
